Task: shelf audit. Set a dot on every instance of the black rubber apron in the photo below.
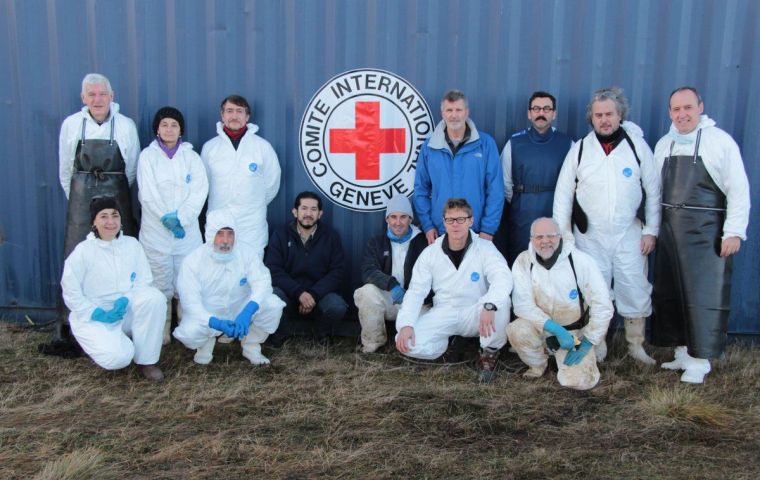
(692, 283)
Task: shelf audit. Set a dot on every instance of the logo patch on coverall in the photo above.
(243, 281)
(188, 178)
(133, 276)
(573, 294)
(475, 276)
(627, 172)
(253, 166)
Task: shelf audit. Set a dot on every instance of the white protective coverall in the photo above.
(482, 277)
(96, 274)
(540, 294)
(243, 182)
(125, 133)
(208, 287)
(609, 191)
(167, 185)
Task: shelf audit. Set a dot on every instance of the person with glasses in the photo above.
(458, 160)
(243, 172)
(531, 161)
(471, 284)
(706, 202)
(608, 191)
(562, 305)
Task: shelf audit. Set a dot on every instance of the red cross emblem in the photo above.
(367, 141)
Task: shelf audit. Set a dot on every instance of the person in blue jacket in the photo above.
(531, 162)
(458, 161)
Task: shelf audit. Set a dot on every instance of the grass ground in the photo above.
(320, 412)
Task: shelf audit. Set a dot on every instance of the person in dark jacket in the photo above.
(386, 272)
(306, 261)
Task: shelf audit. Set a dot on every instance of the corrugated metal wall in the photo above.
(191, 53)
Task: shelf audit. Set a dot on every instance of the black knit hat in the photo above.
(169, 112)
(99, 203)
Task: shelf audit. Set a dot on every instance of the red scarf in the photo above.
(235, 134)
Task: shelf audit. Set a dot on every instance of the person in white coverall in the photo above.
(225, 288)
(243, 173)
(173, 189)
(558, 292)
(609, 171)
(116, 315)
(471, 284)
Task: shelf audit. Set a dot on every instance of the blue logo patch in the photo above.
(475, 276)
(243, 281)
(188, 178)
(253, 166)
(573, 294)
(133, 276)
(627, 172)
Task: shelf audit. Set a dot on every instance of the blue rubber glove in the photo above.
(565, 338)
(99, 315)
(178, 231)
(398, 293)
(243, 319)
(227, 327)
(170, 220)
(574, 357)
(119, 309)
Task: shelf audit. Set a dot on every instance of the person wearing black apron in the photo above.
(705, 211)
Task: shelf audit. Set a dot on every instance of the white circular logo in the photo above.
(360, 136)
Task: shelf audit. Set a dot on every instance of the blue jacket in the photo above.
(474, 173)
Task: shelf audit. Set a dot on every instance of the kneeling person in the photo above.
(386, 272)
(553, 283)
(225, 289)
(471, 283)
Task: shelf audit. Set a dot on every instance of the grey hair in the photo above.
(453, 96)
(554, 222)
(612, 93)
(95, 79)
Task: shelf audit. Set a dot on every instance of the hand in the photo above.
(405, 340)
(487, 323)
(306, 303)
(398, 293)
(574, 357)
(99, 315)
(170, 220)
(118, 310)
(566, 339)
(243, 319)
(729, 246)
(431, 235)
(178, 231)
(227, 327)
(486, 236)
(648, 243)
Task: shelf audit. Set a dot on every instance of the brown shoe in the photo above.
(487, 365)
(152, 373)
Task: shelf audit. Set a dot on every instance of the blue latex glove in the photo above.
(398, 293)
(565, 338)
(227, 327)
(170, 220)
(574, 357)
(119, 309)
(178, 231)
(99, 315)
(243, 319)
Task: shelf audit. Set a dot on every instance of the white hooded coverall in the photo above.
(482, 277)
(167, 185)
(609, 191)
(208, 287)
(540, 294)
(243, 182)
(96, 274)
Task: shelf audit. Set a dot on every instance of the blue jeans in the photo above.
(330, 310)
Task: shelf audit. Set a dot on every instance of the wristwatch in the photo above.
(489, 307)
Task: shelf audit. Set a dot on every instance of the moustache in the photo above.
(541, 118)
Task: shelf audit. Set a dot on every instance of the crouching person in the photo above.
(471, 284)
(386, 272)
(560, 299)
(225, 288)
(116, 315)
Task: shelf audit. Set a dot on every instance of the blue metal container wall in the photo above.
(191, 53)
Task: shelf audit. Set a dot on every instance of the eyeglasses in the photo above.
(537, 109)
(459, 220)
(550, 236)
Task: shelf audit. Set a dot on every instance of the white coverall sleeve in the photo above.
(273, 172)
(144, 274)
(523, 302)
(189, 288)
(736, 184)
(133, 152)
(498, 276)
(65, 156)
(188, 212)
(506, 167)
(260, 279)
(150, 199)
(565, 190)
(419, 287)
(597, 297)
(650, 181)
(71, 284)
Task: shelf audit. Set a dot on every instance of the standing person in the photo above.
(386, 271)
(243, 172)
(705, 199)
(611, 174)
(458, 161)
(116, 315)
(173, 189)
(531, 162)
(471, 283)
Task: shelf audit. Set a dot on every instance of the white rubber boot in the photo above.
(600, 350)
(678, 362)
(253, 353)
(695, 369)
(168, 325)
(204, 354)
(535, 371)
(634, 334)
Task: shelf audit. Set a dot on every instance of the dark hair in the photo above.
(307, 194)
(540, 94)
(454, 96)
(684, 89)
(460, 203)
(236, 100)
(169, 112)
